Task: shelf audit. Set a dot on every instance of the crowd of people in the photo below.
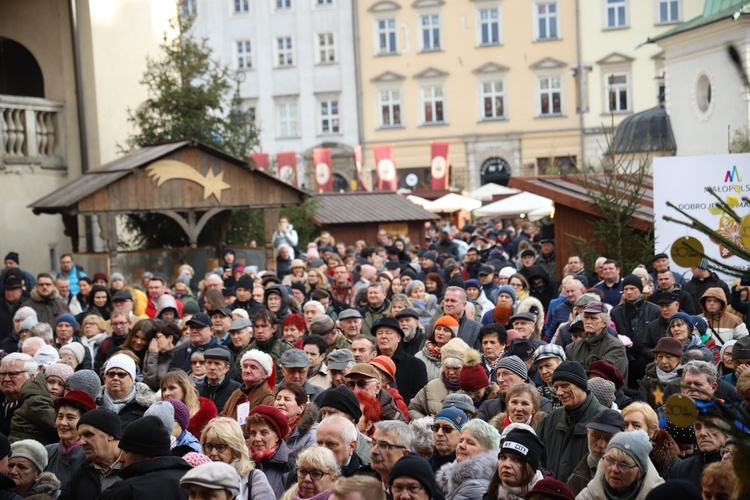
(475, 364)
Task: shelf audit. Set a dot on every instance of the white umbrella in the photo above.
(486, 192)
(419, 201)
(453, 202)
(522, 203)
(541, 213)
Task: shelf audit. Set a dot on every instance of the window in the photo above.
(286, 113)
(489, 26)
(326, 48)
(282, 4)
(244, 59)
(616, 17)
(387, 36)
(284, 52)
(493, 100)
(241, 6)
(433, 104)
(329, 116)
(550, 97)
(390, 107)
(188, 7)
(546, 16)
(669, 11)
(618, 99)
(323, 3)
(430, 26)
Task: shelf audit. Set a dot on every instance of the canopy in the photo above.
(541, 213)
(486, 192)
(522, 203)
(452, 202)
(419, 201)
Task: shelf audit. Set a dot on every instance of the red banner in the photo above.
(385, 161)
(323, 170)
(261, 161)
(286, 167)
(358, 164)
(440, 166)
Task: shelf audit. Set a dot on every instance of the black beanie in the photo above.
(680, 488)
(410, 273)
(342, 399)
(299, 286)
(245, 282)
(632, 280)
(573, 372)
(105, 420)
(525, 444)
(13, 256)
(146, 436)
(415, 467)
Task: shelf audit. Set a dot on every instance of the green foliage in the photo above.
(740, 142)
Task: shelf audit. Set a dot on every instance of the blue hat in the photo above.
(67, 318)
(507, 289)
(457, 418)
(472, 284)
(685, 317)
(699, 322)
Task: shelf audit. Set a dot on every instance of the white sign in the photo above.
(683, 181)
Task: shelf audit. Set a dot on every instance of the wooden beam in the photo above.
(270, 223)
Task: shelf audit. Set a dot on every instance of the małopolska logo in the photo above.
(732, 175)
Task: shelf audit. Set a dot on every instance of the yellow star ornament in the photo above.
(658, 396)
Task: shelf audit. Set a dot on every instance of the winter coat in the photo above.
(686, 301)
(664, 454)
(582, 475)
(86, 482)
(155, 366)
(425, 309)
(321, 379)
(389, 409)
(181, 354)
(152, 308)
(595, 489)
(647, 389)
(46, 309)
(691, 468)
(6, 484)
(399, 402)
(722, 326)
(47, 484)
(261, 395)
(63, 463)
(94, 343)
(604, 346)
(155, 479)
(632, 318)
(547, 292)
(255, 486)
(411, 374)
(304, 433)
(467, 480)
(563, 433)
(206, 412)
(557, 317)
(275, 350)
(429, 400)
(283, 311)
(655, 330)
(371, 314)
(416, 343)
(468, 331)
(433, 364)
(134, 410)
(275, 467)
(534, 306)
(218, 394)
(696, 288)
(35, 418)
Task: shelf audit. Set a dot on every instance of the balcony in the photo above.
(31, 133)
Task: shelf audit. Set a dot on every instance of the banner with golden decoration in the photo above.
(385, 161)
(440, 165)
(286, 167)
(323, 170)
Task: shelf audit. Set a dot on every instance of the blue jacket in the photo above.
(187, 439)
(557, 316)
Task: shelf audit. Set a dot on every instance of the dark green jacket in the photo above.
(35, 418)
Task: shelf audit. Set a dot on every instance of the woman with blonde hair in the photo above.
(177, 385)
(523, 403)
(665, 452)
(317, 471)
(93, 332)
(222, 441)
(316, 280)
(399, 302)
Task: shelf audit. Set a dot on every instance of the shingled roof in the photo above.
(364, 207)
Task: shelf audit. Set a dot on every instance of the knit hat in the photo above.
(321, 325)
(184, 279)
(456, 417)
(635, 444)
(473, 284)
(727, 344)
(551, 489)
(668, 345)
(632, 280)
(77, 399)
(342, 399)
(194, 459)
(13, 256)
(164, 412)
(515, 365)
(146, 436)
(414, 283)
(122, 362)
(448, 322)
(245, 282)
(46, 356)
(607, 371)
(274, 417)
(116, 276)
(700, 324)
(473, 376)
(604, 390)
(28, 323)
(685, 317)
(455, 348)
(67, 318)
(74, 348)
(547, 351)
(181, 413)
(59, 370)
(461, 401)
(571, 371)
(416, 467)
(704, 264)
(31, 450)
(741, 349)
(263, 359)
(87, 381)
(525, 444)
(508, 290)
(214, 476)
(681, 435)
(675, 488)
(367, 272)
(507, 272)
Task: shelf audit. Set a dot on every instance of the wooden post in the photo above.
(270, 223)
(108, 226)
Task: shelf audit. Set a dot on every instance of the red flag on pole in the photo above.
(261, 161)
(323, 170)
(385, 161)
(358, 164)
(440, 166)
(286, 167)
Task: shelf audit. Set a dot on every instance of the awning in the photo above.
(453, 203)
(419, 201)
(486, 192)
(522, 203)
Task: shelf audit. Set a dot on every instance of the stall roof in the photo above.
(364, 207)
(489, 190)
(521, 203)
(453, 202)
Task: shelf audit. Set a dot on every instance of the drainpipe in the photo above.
(358, 85)
(581, 127)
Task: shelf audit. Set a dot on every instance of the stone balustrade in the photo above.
(31, 132)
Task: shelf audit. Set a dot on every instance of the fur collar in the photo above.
(144, 396)
(308, 418)
(526, 305)
(452, 475)
(38, 298)
(48, 484)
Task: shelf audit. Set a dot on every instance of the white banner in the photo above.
(683, 181)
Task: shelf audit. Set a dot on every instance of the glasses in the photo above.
(198, 362)
(620, 465)
(413, 489)
(316, 475)
(111, 374)
(10, 374)
(220, 448)
(386, 446)
(118, 323)
(447, 429)
(361, 383)
(727, 451)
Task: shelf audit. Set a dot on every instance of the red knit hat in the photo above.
(274, 417)
(472, 376)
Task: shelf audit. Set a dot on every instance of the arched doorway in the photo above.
(20, 74)
(495, 170)
(340, 184)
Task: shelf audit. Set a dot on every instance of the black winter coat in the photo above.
(691, 468)
(155, 479)
(219, 394)
(85, 482)
(411, 374)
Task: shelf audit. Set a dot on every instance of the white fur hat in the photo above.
(263, 359)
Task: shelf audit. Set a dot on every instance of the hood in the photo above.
(533, 305)
(452, 475)
(166, 301)
(38, 298)
(536, 271)
(279, 290)
(308, 419)
(47, 484)
(716, 293)
(35, 386)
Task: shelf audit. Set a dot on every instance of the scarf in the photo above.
(669, 377)
(507, 421)
(323, 495)
(311, 372)
(292, 425)
(518, 492)
(492, 365)
(451, 386)
(611, 494)
(693, 343)
(260, 457)
(65, 449)
(265, 346)
(116, 405)
(432, 348)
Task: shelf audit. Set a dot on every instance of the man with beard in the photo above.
(472, 265)
(414, 337)
(596, 341)
(45, 300)
(342, 287)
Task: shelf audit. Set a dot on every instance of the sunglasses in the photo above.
(447, 429)
(117, 374)
(361, 383)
